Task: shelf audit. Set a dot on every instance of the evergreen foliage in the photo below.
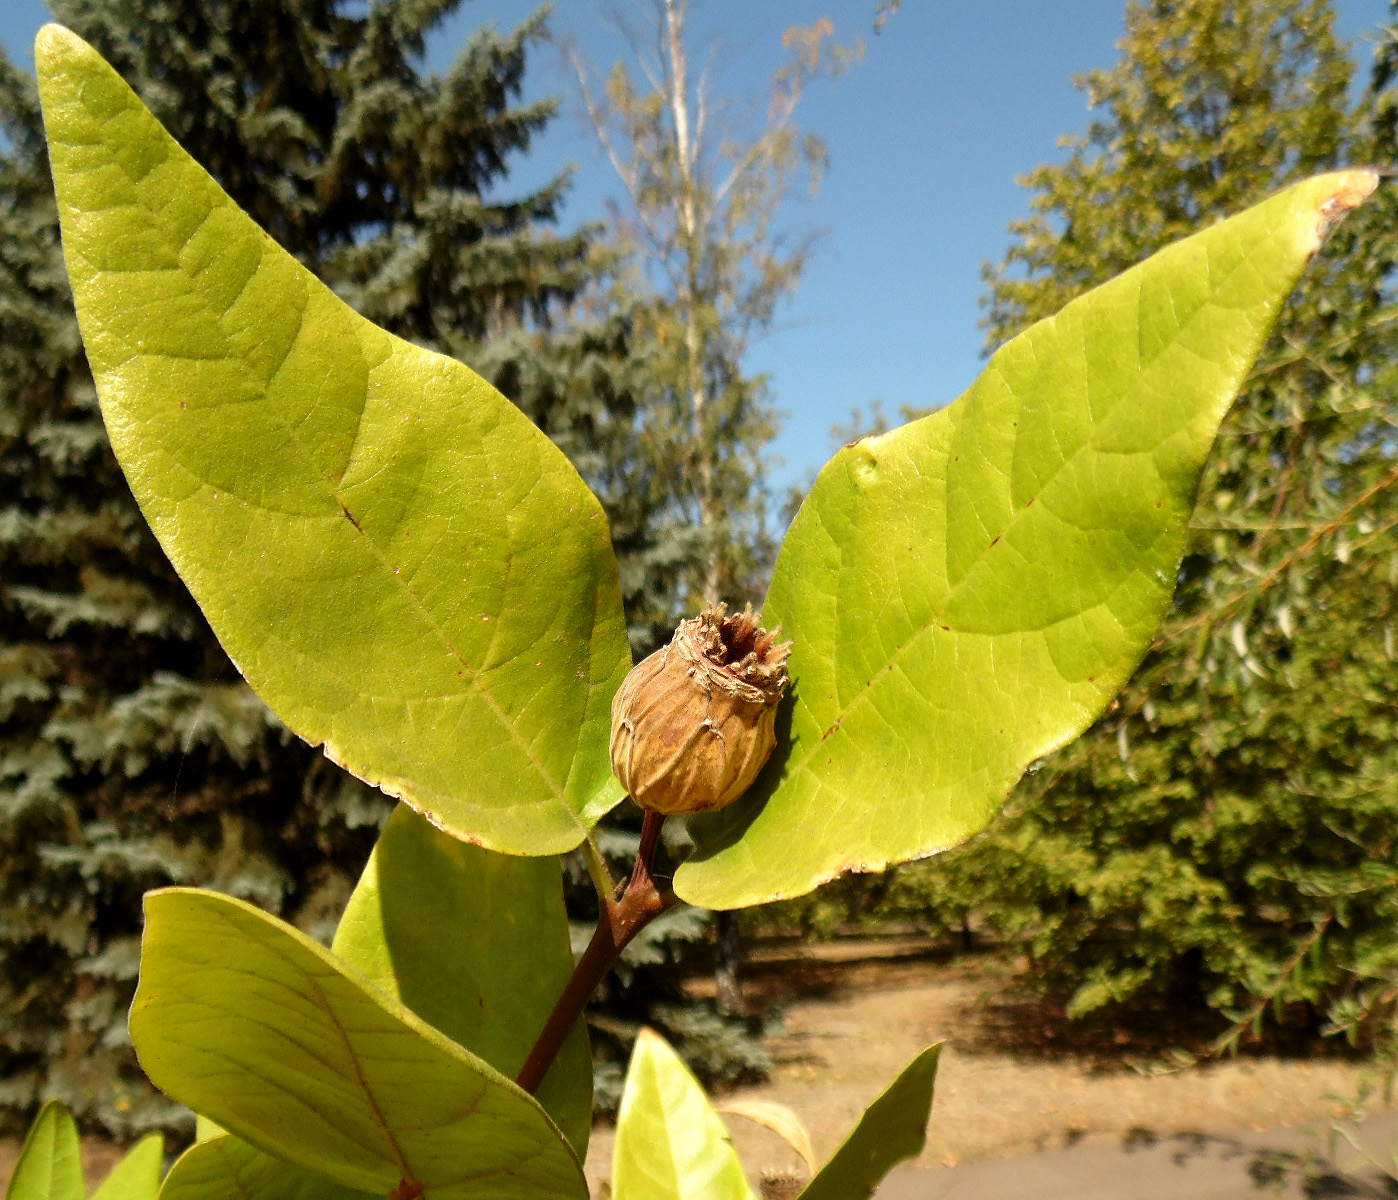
(1225, 833)
(132, 753)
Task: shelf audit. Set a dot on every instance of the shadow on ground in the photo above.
(1287, 1164)
(1011, 1019)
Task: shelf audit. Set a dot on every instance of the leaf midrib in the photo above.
(556, 789)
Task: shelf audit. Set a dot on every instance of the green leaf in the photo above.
(474, 943)
(402, 565)
(50, 1162)
(477, 945)
(224, 1167)
(137, 1175)
(968, 592)
(244, 1018)
(892, 1130)
(670, 1144)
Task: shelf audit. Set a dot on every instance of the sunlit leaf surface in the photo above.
(50, 1162)
(969, 592)
(670, 1144)
(402, 565)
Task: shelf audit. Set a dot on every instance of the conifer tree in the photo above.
(132, 754)
(1225, 834)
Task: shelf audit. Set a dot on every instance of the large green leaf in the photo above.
(474, 943)
(401, 564)
(225, 1167)
(968, 592)
(892, 1130)
(137, 1175)
(670, 1144)
(244, 1018)
(50, 1162)
(477, 945)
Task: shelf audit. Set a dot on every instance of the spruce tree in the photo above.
(1224, 835)
(132, 754)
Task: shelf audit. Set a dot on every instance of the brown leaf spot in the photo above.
(349, 516)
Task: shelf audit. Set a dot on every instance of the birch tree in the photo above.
(699, 226)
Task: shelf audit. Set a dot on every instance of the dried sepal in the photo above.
(693, 724)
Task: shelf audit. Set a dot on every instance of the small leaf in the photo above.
(893, 1129)
(402, 565)
(244, 1018)
(225, 1167)
(137, 1175)
(780, 1120)
(967, 593)
(50, 1162)
(670, 1144)
(477, 945)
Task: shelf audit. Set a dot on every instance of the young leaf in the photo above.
(50, 1162)
(137, 1175)
(670, 1144)
(893, 1129)
(477, 945)
(226, 1166)
(244, 1018)
(968, 592)
(402, 565)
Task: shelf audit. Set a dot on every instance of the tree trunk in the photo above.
(730, 953)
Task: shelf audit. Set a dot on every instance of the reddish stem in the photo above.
(618, 922)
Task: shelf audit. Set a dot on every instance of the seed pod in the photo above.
(694, 723)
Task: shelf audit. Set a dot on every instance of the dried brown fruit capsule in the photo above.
(694, 723)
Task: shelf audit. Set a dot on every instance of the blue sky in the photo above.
(926, 137)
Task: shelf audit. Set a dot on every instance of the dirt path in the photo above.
(1013, 1081)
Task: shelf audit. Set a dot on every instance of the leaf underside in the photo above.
(226, 1166)
(477, 945)
(474, 943)
(249, 1021)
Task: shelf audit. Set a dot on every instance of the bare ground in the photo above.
(1015, 1077)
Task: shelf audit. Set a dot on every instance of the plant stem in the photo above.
(618, 921)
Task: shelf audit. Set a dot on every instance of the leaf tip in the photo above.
(54, 42)
(1346, 190)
